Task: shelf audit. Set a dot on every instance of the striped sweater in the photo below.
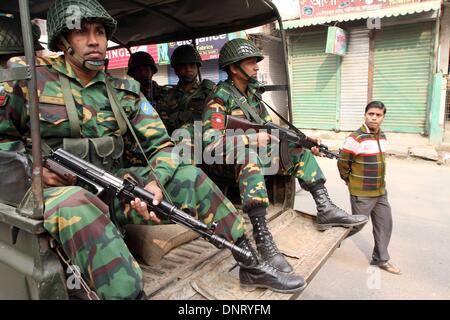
(363, 164)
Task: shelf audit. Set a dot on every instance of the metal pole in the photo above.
(38, 203)
(286, 59)
(194, 44)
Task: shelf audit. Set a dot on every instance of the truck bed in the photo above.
(198, 271)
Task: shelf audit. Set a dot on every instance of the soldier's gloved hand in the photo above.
(315, 151)
(141, 206)
(51, 179)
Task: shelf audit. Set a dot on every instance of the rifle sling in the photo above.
(72, 113)
(248, 110)
(113, 100)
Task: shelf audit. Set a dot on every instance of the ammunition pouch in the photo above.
(285, 158)
(15, 172)
(104, 152)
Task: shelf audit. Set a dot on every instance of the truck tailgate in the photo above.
(197, 270)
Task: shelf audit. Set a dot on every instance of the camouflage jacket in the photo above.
(154, 92)
(225, 101)
(94, 111)
(179, 109)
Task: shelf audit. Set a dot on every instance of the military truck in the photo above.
(177, 264)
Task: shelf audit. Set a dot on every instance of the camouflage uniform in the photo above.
(78, 219)
(150, 88)
(179, 109)
(11, 44)
(249, 174)
(251, 168)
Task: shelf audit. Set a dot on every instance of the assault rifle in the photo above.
(73, 168)
(284, 134)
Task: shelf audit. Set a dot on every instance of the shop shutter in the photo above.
(403, 58)
(354, 79)
(314, 82)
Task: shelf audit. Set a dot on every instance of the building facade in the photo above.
(388, 51)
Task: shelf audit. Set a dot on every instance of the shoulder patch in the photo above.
(218, 121)
(146, 107)
(3, 99)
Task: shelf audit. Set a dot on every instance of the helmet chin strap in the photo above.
(91, 65)
(251, 80)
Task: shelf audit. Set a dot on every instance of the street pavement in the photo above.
(419, 194)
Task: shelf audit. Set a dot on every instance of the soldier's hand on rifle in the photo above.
(141, 206)
(51, 179)
(315, 151)
(265, 138)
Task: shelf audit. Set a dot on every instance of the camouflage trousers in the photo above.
(80, 222)
(249, 169)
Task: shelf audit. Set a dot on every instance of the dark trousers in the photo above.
(379, 210)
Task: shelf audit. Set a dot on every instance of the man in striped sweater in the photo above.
(363, 168)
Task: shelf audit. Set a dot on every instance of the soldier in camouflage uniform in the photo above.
(183, 105)
(79, 111)
(238, 96)
(142, 68)
(11, 45)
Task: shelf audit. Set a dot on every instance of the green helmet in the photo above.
(236, 50)
(11, 36)
(65, 15)
(141, 58)
(185, 54)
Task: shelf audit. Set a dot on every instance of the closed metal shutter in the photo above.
(403, 59)
(314, 82)
(354, 79)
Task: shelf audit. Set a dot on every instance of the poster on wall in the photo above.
(208, 47)
(328, 8)
(337, 41)
(118, 58)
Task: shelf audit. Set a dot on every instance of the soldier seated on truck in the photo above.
(238, 96)
(11, 45)
(142, 68)
(106, 121)
(184, 103)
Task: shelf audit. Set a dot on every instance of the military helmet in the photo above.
(141, 58)
(185, 54)
(236, 50)
(11, 36)
(64, 15)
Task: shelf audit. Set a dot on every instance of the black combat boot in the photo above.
(260, 274)
(265, 244)
(328, 214)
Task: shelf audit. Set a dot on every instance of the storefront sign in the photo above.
(328, 8)
(118, 58)
(337, 41)
(208, 47)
